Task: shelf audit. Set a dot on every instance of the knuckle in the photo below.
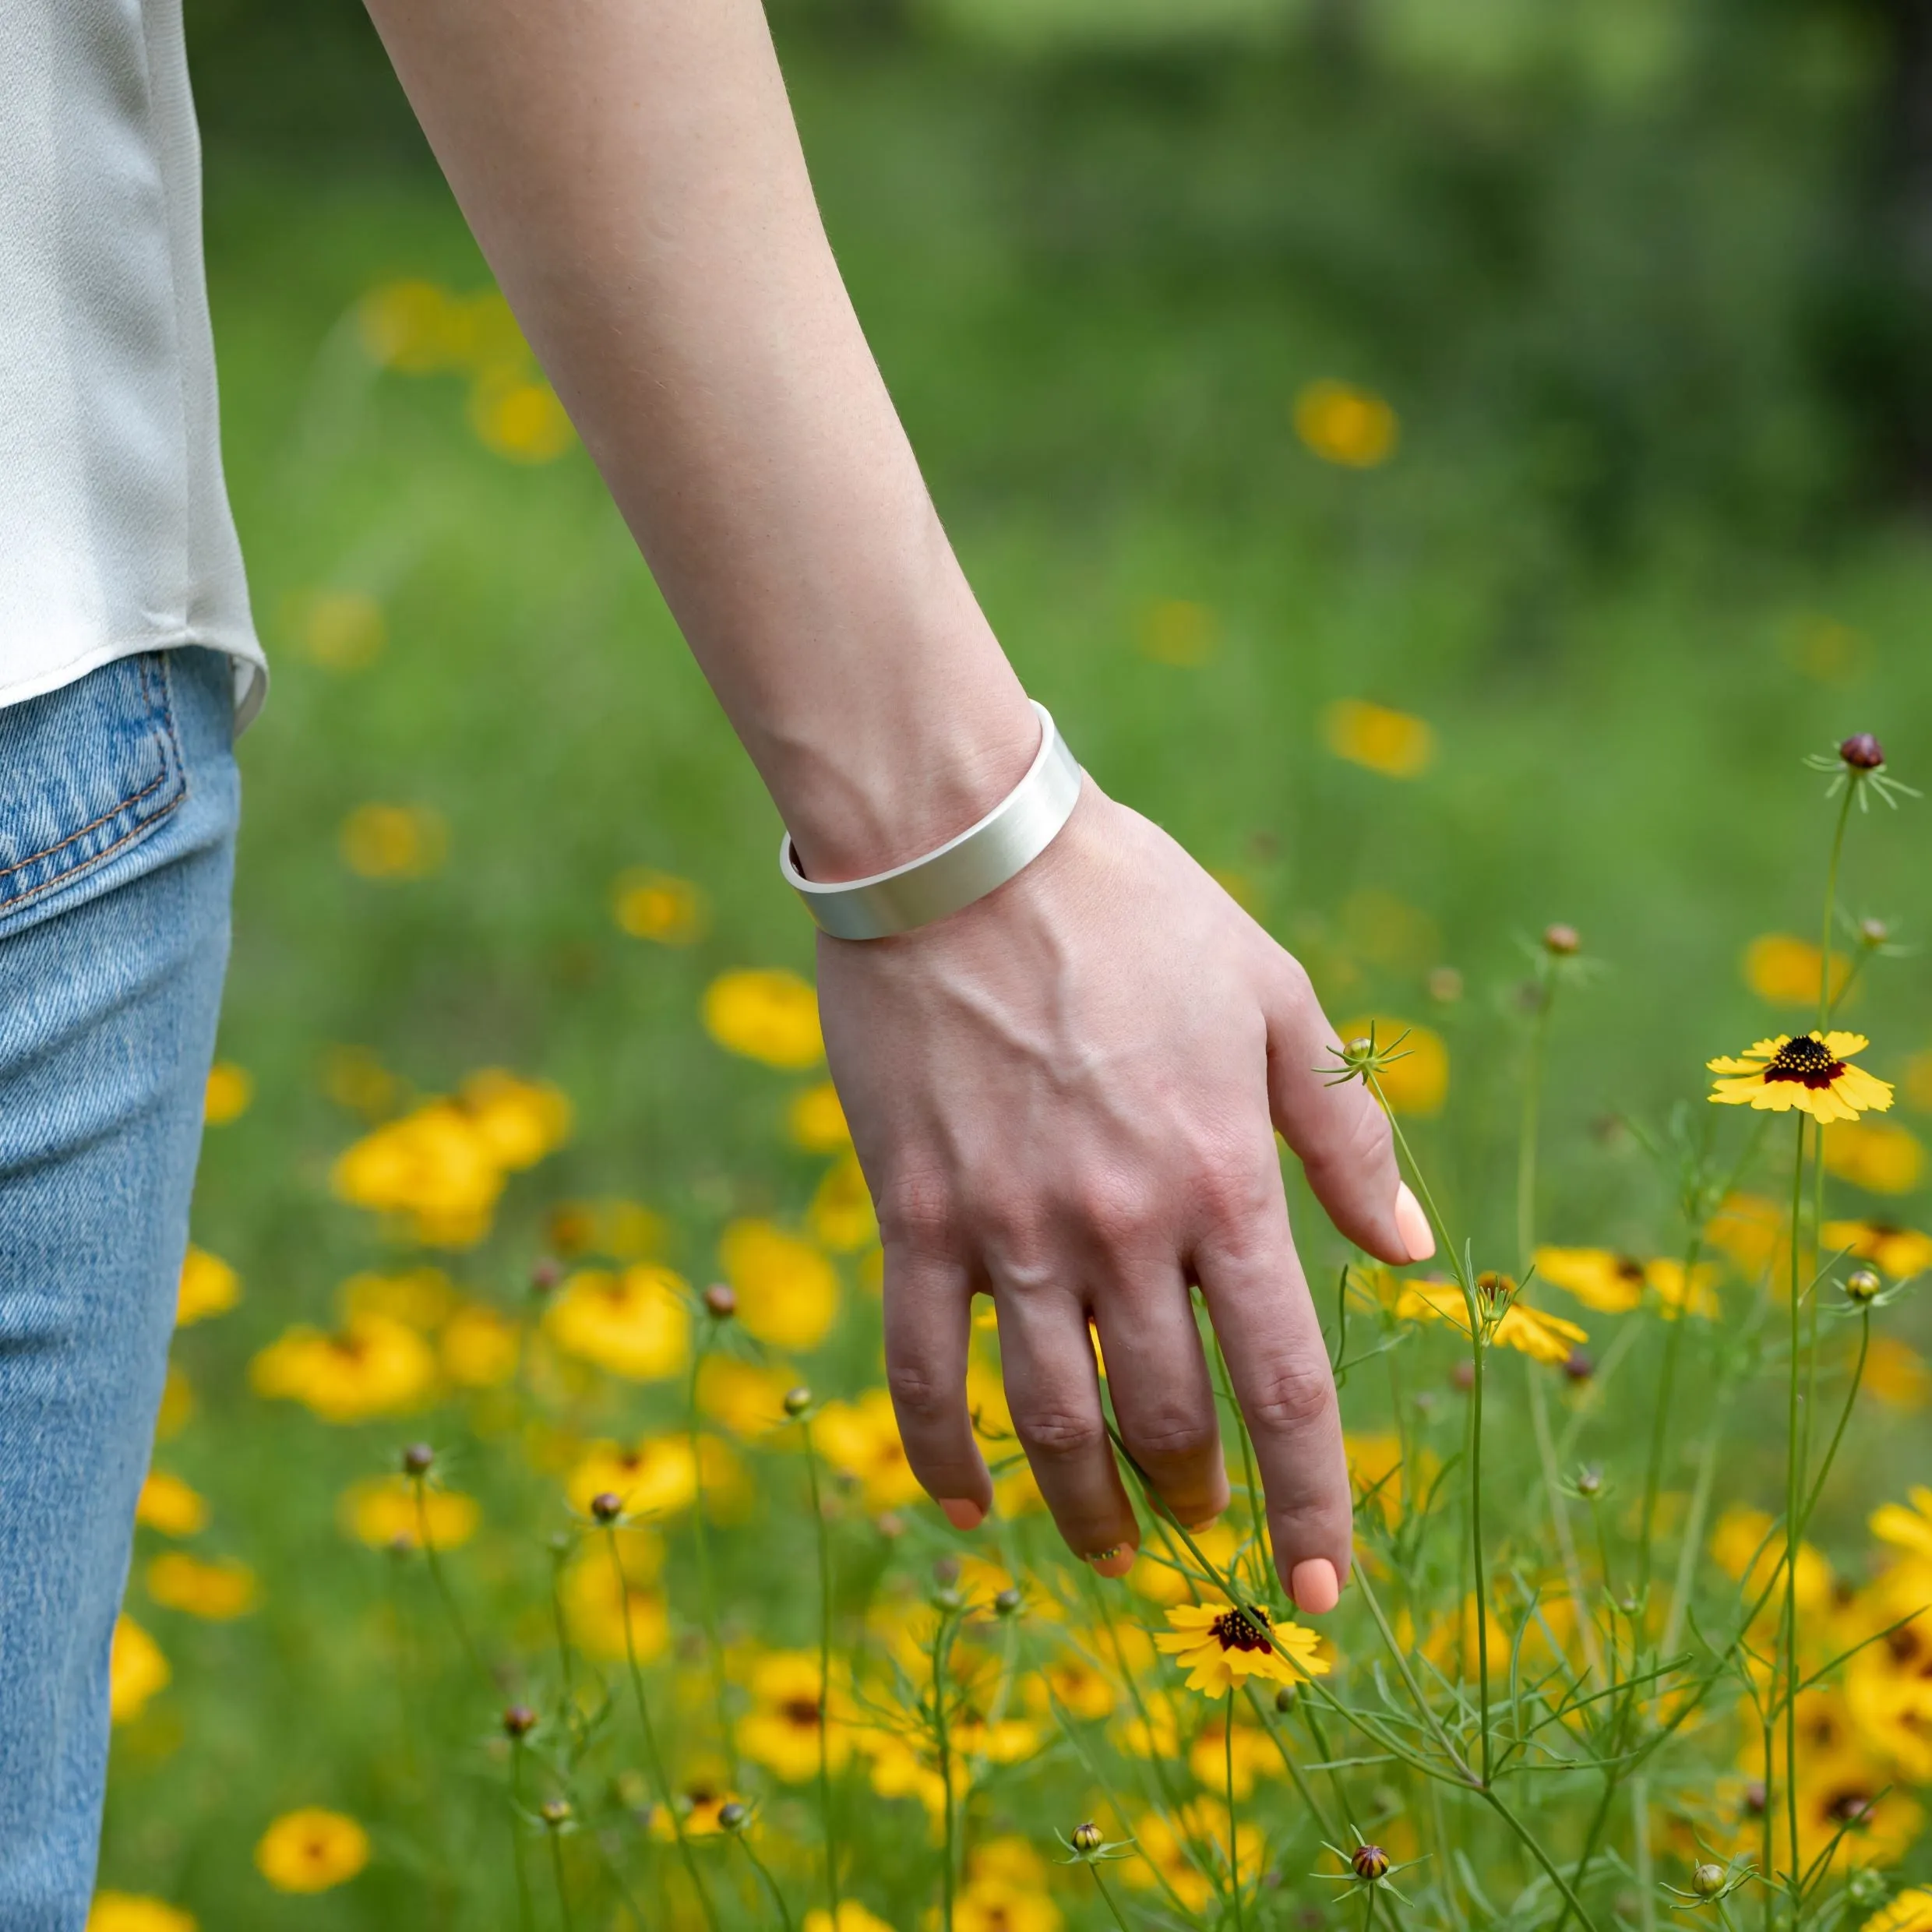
(1060, 1435)
(919, 1395)
(1227, 1190)
(1174, 1436)
(1291, 1400)
(1119, 1215)
(917, 1210)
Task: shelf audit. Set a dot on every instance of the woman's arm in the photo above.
(1063, 1095)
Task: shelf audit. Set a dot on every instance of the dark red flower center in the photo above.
(1805, 1060)
(1242, 1630)
(802, 1711)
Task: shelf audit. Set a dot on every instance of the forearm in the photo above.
(631, 169)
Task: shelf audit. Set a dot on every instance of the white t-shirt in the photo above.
(115, 535)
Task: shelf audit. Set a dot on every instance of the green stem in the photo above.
(942, 1642)
(1234, 1828)
(526, 1905)
(1541, 1857)
(658, 1773)
(1661, 1419)
(442, 1583)
(1830, 906)
(825, 1670)
(708, 1599)
(1794, 1475)
(563, 1889)
(1640, 1840)
(1100, 1885)
(771, 1885)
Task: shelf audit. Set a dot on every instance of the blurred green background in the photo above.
(1648, 285)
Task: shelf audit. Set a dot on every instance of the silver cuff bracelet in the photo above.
(984, 856)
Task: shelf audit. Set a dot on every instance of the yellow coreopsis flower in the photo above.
(126, 1912)
(1253, 1755)
(384, 1513)
(781, 1729)
(598, 1611)
(1908, 1529)
(635, 1324)
(218, 1591)
(433, 1166)
(518, 1121)
(746, 1397)
(1879, 1156)
(230, 1090)
(1542, 1338)
(1910, 1912)
(788, 1292)
(1168, 1854)
(657, 906)
(209, 1286)
(841, 1215)
(1344, 424)
(654, 1476)
(1610, 1283)
(766, 1014)
(1221, 1645)
(376, 1366)
(1900, 1253)
(168, 1504)
(816, 1120)
(479, 1348)
(312, 1850)
(861, 1439)
(852, 1917)
(1397, 744)
(1810, 1071)
(136, 1671)
(1416, 1079)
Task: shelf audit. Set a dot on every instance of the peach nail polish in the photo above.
(1311, 1584)
(1412, 1225)
(1114, 1563)
(962, 1512)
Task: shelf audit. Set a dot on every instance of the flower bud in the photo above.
(1369, 1862)
(1087, 1838)
(417, 1459)
(945, 1569)
(1463, 1375)
(545, 1272)
(1873, 933)
(1445, 986)
(1708, 1880)
(1578, 1365)
(519, 1721)
(1284, 1698)
(1007, 1602)
(732, 1816)
(1589, 1480)
(1561, 941)
(1754, 1797)
(891, 1525)
(606, 1508)
(947, 1599)
(721, 1301)
(797, 1401)
(1861, 752)
(554, 1811)
(1863, 1284)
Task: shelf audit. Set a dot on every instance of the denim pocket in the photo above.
(85, 772)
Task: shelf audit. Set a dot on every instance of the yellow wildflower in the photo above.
(136, 1670)
(177, 1405)
(767, 1014)
(517, 415)
(1910, 1912)
(209, 1286)
(1879, 1156)
(394, 842)
(1900, 1253)
(219, 1591)
(1075, 1684)
(421, 1297)
(1895, 1373)
(1393, 743)
(1417, 1081)
(518, 1121)
(636, 1323)
(1811, 1071)
(312, 1850)
(1161, 1583)
(374, 1366)
(746, 1397)
(1610, 1283)
(1787, 972)
(597, 1612)
(1221, 1645)
(1907, 1529)
(1746, 1545)
(656, 906)
(1353, 428)
(861, 1439)
(787, 1292)
(1678, 1293)
(1377, 1475)
(230, 1090)
(127, 1911)
(342, 630)
(479, 1348)
(852, 1917)
(780, 1731)
(168, 1504)
(1184, 1857)
(1177, 632)
(1750, 1229)
(655, 1476)
(383, 1512)
(1542, 1338)
(623, 1230)
(432, 1166)
(840, 1216)
(1254, 1756)
(816, 1120)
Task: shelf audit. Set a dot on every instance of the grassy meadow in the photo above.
(1531, 615)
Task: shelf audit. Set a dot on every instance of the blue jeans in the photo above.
(118, 802)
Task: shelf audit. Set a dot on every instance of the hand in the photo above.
(1066, 1096)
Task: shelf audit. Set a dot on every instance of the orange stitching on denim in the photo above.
(8, 906)
(166, 727)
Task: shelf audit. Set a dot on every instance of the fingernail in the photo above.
(1115, 1562)
(1311, 1584)
(1412, 1225)
(962, 1512)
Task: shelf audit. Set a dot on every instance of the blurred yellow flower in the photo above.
(1075, 1683)
(746, 1397)
(636, 1323)
(209, 1286)
(219, 1591)
(1678, 1294)
(1909, 1529)
(780, 1731)
(177, 1405)
(1417, 1082)
(1785, 971)
(1375, 1473)
(1166, 1856)
(1896, 1373)
(519, 1121)
(126, 1912)
(1221, 1646)
(996, 1904)
(1812, 1072)
(394, 842)
(1175, 632)
(479, 1348)
(1918, 1082)
(1877, 1155)
(433, 1168)
(788, 1292)
(136, 1670)
(353, 1077)
(656, 905)
(312, 1850)
(840, 1216)
(516, 414)
(1611, 1284)
(816, 1121)
(1750, 1229)
(167, 1504)
(1547, 1338)
(373, 1365)
(852, 1917)
(230, 1089)
(597, 1612)
(1252, 1754)
(382, 1512)
(1900, 1253)
(1747, 1545)
(657, 1475)
(1343, 424)
(412, 326)
(1395, 743)
(1161, 1583)
(767, 1014)
(623, 1230)
(897, 1769)
(1910, 1912)
(423, 1297)
(860, 1439)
